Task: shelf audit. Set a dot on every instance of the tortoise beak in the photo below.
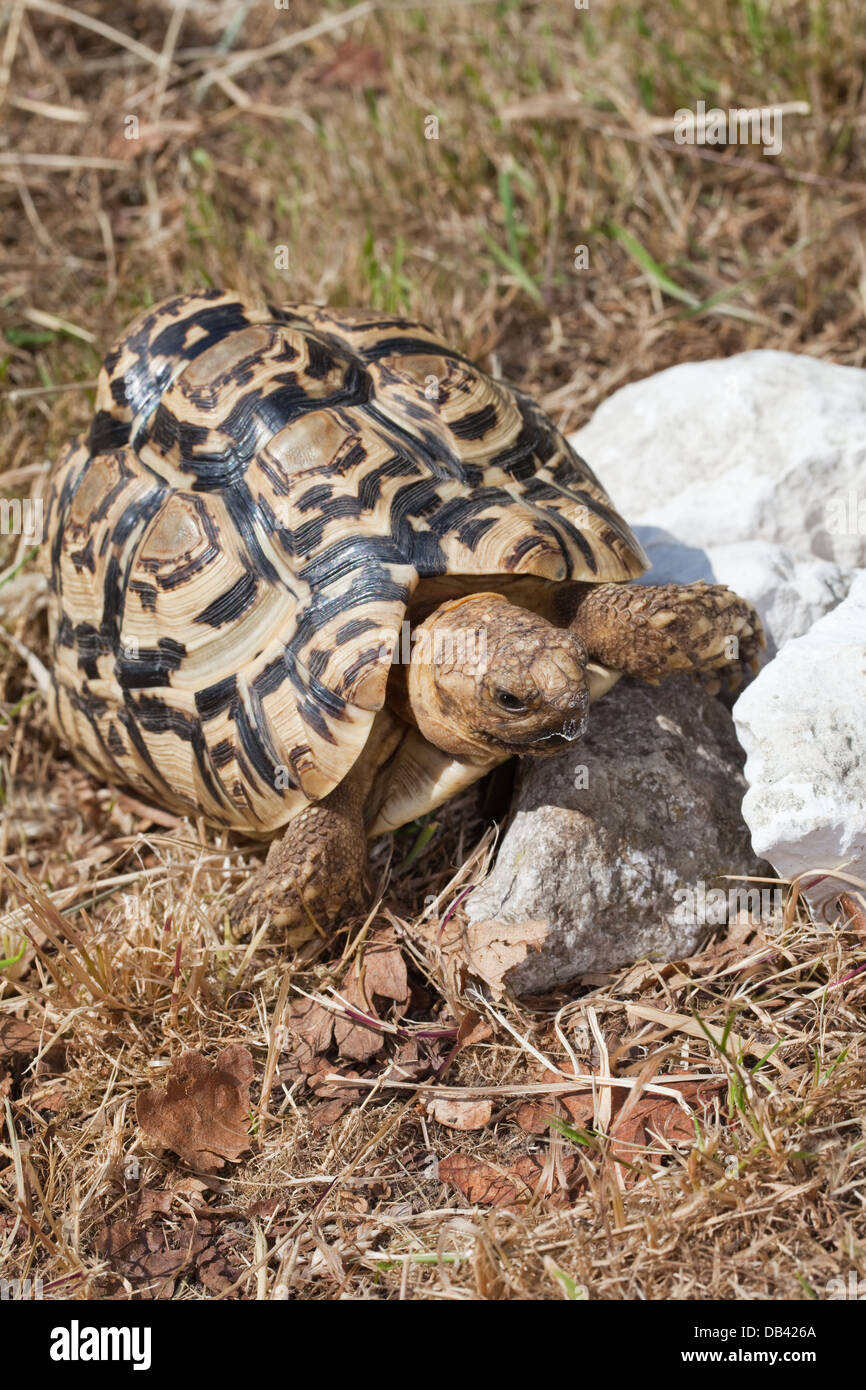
(561, 736)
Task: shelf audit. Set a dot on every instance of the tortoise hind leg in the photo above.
(657, 630)
(317, 870)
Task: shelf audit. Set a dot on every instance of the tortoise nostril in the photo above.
(573, 728)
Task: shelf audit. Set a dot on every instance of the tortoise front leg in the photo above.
(657, 630)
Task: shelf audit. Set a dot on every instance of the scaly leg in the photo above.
(317, 870)
(656, 630)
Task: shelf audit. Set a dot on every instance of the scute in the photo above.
(234, 548)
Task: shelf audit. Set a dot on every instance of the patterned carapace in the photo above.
(234, 546)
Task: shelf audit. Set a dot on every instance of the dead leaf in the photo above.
(328, 1114)
(854, 912)
(150, 1203)
(354, 65)
(313, 1027)
(490, 950)
(189, 1187)
(473, 1028)
(20, 1039)
(408, 1062)
(643, 1134)
(576, 1109)
(639, 1135)
(150, 1252)
(142, 1257)
(334, 1090)
(50, 1099)
(489, 1185)
(377, 974)
(18, 1035)
(265, 1207)
(202, 1114)
(217, 1266)
(461, 1114)
(383, 971)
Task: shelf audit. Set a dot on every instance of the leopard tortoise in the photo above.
(313, 569)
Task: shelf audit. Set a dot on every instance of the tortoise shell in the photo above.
(233, 549)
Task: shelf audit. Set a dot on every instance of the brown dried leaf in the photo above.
(313, 1027)
(334, 1090)
(644, 1132)
(379, 973)
(151, 1203)
(18, 1035)
(20, 1039)
(326, 1115)
(202, 1113)
(577, 1109)
(50, 1099)
(354, 65)
(382, 972)
(265, 1207)
(632, 1129)
(461, 1114)
(150, 1253)
(189, 1187)
(142, 1257)
(216, 1264)
(473, 1028)
(490, 950)
(409, 1063)
(853, 910)
(495, 1186)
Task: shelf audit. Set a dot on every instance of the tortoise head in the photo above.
(488, 677)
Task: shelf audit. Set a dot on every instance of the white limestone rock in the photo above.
(762, 446)
(802, 723)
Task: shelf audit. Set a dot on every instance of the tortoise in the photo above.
(314, 572)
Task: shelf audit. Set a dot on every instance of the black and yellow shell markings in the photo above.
(233, 547)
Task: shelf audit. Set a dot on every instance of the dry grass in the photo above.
(551, 135)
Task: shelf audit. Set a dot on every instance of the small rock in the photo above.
(762, 446)
(790, 592)
(802, 723)
(612, 844)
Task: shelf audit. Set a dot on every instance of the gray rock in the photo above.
(790, 592)
(611, 844)
(763, 446)
(803, 725)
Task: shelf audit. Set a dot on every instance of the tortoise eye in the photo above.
(509, 701)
